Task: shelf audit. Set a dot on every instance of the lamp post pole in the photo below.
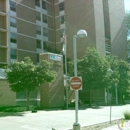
(116, 93)
(110, 106)
(66, 78)
(110, 97)
(80, 33)
(75, 74)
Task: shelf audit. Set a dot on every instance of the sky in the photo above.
(127, 4)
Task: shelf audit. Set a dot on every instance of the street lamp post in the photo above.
(116, 93)
(110, 71)
(110, 97)
(80, 33)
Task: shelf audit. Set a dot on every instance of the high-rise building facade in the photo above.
(29, 27)
(104, 21)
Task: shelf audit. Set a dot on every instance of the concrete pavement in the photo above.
(60, 119)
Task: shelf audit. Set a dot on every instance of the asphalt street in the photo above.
(59, 119)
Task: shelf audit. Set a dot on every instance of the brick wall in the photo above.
(52, 94)
(7, 97)
(80, 17)
(3, 5)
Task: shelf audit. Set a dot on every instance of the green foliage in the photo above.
(25, 76)
(112, 77)
(71, 68)
(93, 68)
(124, 71)
(121, 73)
(44, 73)
(12, 109)
(127, 115)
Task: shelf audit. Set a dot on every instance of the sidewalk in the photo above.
(61, 119)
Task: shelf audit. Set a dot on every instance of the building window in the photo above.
(44, 5)
(39, 44)
(13, 22)
(13, 38)
(37, 3)
(38, 30)
(61, 6)
(12, 6)
(37, 57)
(62, 19)
(45, 32)
(38, 16)
(44, 18)
(13, 54)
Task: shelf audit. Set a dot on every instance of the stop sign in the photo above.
(75, 83)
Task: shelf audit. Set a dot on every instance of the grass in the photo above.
(127, 115)
(13, 109)
(18, 109)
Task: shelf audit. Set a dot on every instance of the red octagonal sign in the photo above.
(76, 83)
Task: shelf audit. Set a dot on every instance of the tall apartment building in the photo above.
(30, 27)
(104, 21)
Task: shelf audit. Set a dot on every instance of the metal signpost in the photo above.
(76, 84)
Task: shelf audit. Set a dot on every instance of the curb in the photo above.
(100, 126)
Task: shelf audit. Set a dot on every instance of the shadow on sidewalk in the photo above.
(5, 114)
(84, 107)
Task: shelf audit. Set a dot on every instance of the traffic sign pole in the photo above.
(76, 84)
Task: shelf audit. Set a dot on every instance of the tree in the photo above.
(120, 75)
(120, 70)
(114, 65)
(93, 69)
(25, 76)
(124, 80)
(124, 71)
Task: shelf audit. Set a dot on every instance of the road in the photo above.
(59, 119)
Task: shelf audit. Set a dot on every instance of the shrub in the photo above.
(127, 115)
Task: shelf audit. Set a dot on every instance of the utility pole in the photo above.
(64, 50)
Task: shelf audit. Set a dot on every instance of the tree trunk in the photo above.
(90, 97)
(28, 97)
(108, 99)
